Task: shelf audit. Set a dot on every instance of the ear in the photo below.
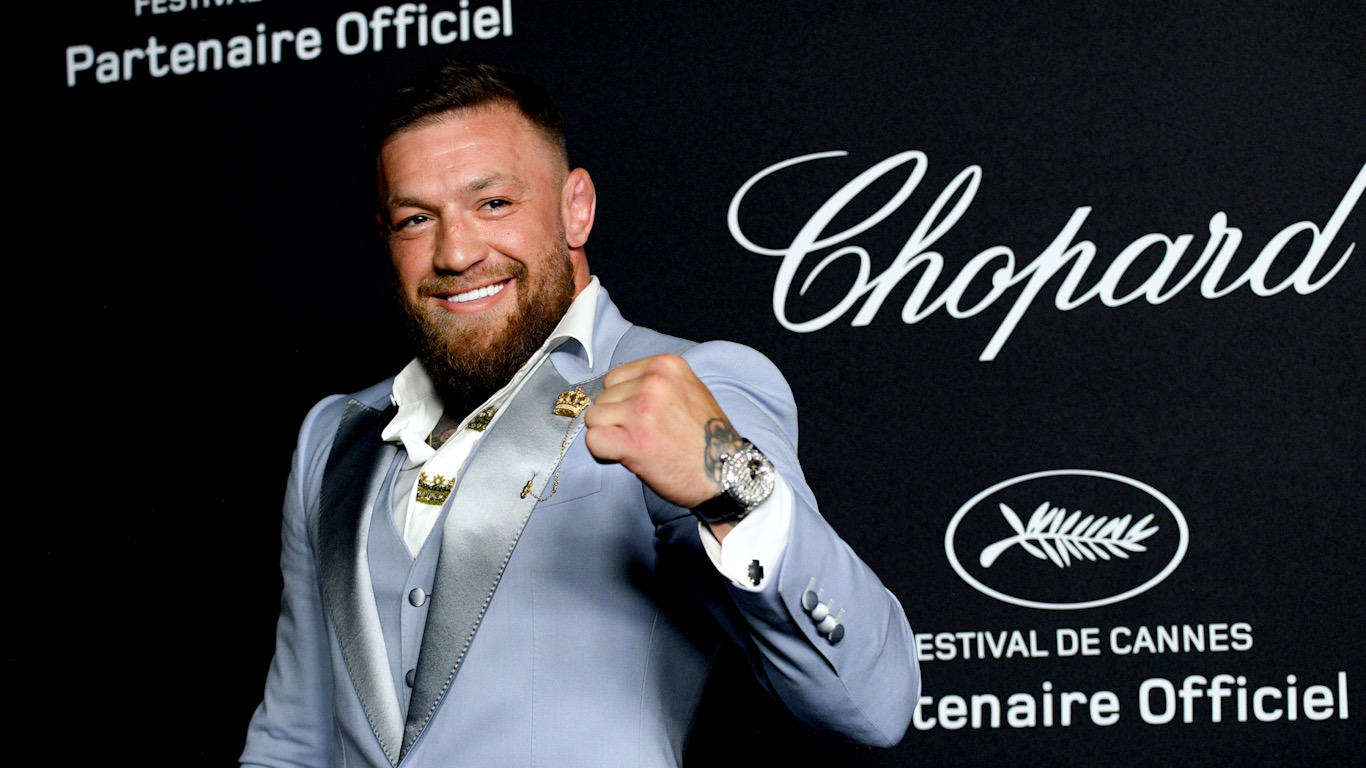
(578, 206)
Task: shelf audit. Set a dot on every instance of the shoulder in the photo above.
(726, 363)
(728, 368)
(638, 342)
(728, 357)
(325, 417)
(744, 381)
(711, 357)
(747, 385)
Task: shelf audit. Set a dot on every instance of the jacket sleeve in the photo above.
(863, 687)
(293, 726)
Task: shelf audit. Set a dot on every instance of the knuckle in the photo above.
(646, 402)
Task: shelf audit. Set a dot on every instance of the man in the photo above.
(483, 569)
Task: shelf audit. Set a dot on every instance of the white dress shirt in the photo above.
(761, 536)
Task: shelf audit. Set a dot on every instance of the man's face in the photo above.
(475, 205)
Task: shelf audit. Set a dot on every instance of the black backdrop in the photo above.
(220, 273)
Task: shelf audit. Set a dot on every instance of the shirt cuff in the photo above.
(754, 545)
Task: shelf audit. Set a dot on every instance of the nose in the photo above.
(458, 247)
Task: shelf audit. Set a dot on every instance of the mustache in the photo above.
(469, 279)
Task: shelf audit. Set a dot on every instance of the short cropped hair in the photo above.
(461, 85)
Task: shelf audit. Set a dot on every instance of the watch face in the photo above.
(748, 476)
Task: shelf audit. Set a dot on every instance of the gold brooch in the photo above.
(481, 420)
(433, 491)
(572, 402)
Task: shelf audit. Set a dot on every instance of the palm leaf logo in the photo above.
(1052, 534)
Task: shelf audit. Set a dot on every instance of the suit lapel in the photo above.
(357, 468)
(488, 512)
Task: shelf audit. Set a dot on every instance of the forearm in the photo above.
(859, 682)
(862, 682)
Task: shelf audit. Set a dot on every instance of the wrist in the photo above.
(746, 480)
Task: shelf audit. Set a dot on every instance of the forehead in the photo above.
(481, 141)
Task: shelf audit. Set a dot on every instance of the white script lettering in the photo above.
(1000, 262)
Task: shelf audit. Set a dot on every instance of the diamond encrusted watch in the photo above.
(747, 479)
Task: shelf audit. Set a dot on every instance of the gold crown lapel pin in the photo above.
(572, 402)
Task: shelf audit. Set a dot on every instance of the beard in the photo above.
(468, 361)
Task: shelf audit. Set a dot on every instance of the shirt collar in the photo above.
(577, 322)
(420, 407)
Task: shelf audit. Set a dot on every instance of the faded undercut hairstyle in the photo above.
(460, 85)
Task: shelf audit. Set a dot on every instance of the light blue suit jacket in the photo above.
(596, 643)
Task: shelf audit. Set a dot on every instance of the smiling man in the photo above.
(527, 547)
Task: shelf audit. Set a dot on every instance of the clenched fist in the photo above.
(660, 421)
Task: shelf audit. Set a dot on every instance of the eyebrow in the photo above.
(492, 180)
(472, 187)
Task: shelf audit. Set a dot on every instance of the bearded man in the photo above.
(527, 547)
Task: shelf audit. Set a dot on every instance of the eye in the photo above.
(411, 221)
(497, 203)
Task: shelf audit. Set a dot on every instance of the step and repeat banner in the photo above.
(1070, 296)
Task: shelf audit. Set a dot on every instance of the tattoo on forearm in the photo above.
(721, 440)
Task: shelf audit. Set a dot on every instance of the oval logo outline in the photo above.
(1183, 540)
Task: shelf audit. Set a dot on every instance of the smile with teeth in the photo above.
(477, 293)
